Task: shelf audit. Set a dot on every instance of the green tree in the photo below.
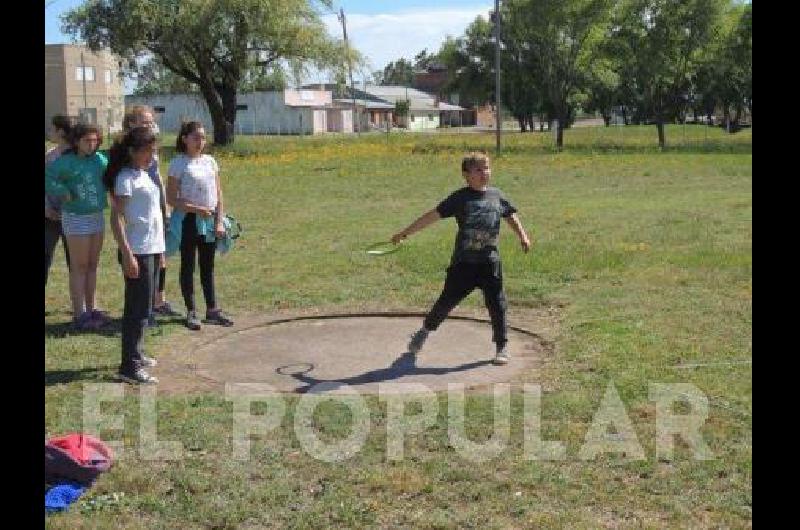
(521, 95)
(665, 42)
(401, 107)
(724, 78)
(470, 63)
(264, 79)
(399, 72)
(603, 89)
(561, 40)
(153, 78)
(742, 48)
(208, 43)
(424, 59)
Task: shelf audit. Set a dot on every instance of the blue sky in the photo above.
(383, 30)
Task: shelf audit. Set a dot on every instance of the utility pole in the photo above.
(343, 20)
(497, 69)
(83, 76)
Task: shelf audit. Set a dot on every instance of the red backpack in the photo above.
(76, 458)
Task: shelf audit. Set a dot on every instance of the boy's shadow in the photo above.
(63, 329)
(113, 328)
(93, 374)
(404, 365)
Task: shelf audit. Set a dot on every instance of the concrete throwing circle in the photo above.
(296, 355)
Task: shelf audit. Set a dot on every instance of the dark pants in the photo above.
(138, 305)
(162, 279)
(52, 233)
(462, 279)
(194, 244)
(161, 275)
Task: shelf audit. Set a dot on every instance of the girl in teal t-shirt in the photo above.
(76, 178)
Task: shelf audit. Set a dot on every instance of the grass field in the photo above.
(644, 256)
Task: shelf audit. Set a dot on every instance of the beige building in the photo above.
(83, 85)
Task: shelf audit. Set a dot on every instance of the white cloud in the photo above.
(387, 37)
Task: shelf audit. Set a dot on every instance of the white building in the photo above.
(425, 111)
(280, 112)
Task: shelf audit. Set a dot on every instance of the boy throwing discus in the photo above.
(477, 208)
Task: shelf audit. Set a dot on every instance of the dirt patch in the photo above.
(298, 351)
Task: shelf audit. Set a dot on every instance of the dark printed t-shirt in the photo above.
(478, 216)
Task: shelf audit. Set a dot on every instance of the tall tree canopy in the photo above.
(209, 43)
(665, 42)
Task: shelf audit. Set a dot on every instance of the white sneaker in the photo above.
(501, 357)
(148, 362)
(139, 376)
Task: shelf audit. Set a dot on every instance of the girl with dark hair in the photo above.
(194, 192)
(76, 179)
(59, 134)
(143, 116)
(138, 227)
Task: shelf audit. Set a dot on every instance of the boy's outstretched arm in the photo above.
(424, 220)
(516, 226)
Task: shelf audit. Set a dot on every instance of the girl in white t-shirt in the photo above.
(144, 116)
(138, 226)
(193, 188)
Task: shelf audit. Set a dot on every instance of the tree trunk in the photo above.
(659, 116)
(217, 103)
(562, 117)
(737, 117)
(607, 119)
(726, 113)
(212, 102)
(228, 94)
(624, 115)
(522, 124)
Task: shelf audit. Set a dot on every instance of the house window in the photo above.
(306, 95)
(87, 71)
(412, 117)
(108, 76)
(159, 109)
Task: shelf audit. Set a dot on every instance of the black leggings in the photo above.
(192, 242)
(52, 233)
